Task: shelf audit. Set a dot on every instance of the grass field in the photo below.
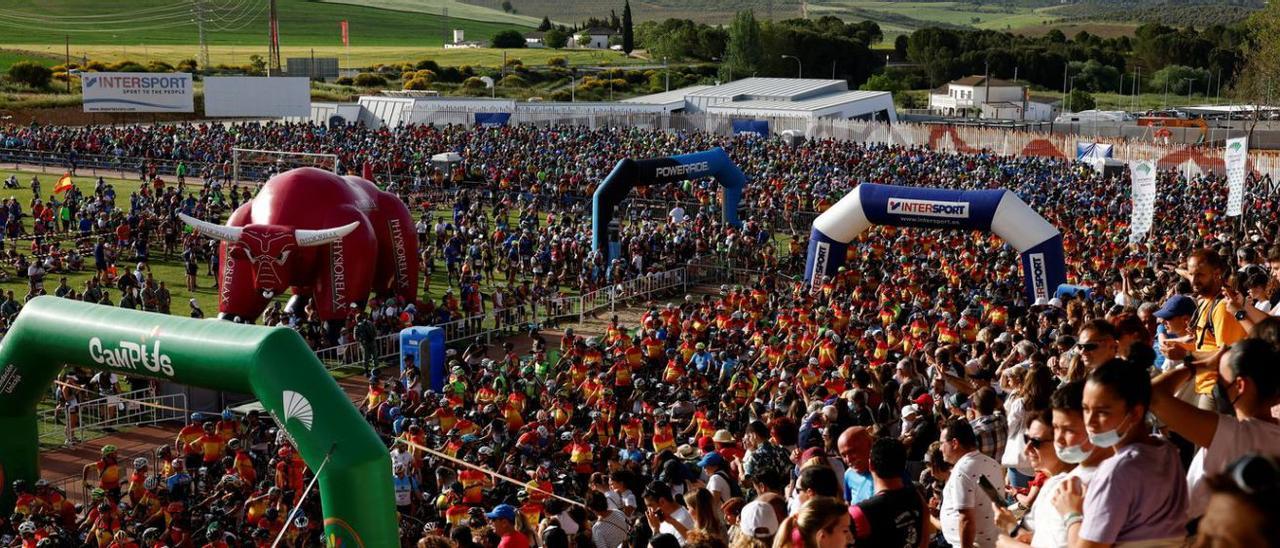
(302, 23)
(357, 56)
(455, 8)
(9, 57)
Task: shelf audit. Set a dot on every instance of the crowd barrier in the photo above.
(135, 408)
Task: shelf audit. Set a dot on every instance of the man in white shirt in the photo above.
(1249, 380)
(676, 215)
(610, 529)
(664, 515)
(968, 518)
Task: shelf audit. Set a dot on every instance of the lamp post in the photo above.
(666, 69)
(1072, 88)
(799, 65)
(1190, 88)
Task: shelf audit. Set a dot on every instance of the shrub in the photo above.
(31, 74)
(417, 84)
(555, 38)
(425, 74)
(514, 81)
(558, 62)
(507, 39)
(428, 64)
(344, 81)
(370, 80)
(473, 83)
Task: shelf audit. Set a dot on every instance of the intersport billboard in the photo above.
(137, 92)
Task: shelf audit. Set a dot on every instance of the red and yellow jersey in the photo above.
(456, 514)
(578, 372)
(532, 513)
(188, 435)
(634, 356)
(486, 395)
(473, 484)
(653, 348)
(464, 427)
(446, 418)
(999, 316)
(663, 439)
(136, 489)
(108, 474)
(243, 465)
(210, 447)
(674, 371)
(633, 429)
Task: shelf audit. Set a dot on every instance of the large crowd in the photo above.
(916, 398)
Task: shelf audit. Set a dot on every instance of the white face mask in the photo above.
(1110, 438)
(1072, 454)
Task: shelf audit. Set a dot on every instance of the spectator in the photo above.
(895, 515)
(966, 513)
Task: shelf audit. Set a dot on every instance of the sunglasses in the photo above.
(1089, 346)
(1033, 443)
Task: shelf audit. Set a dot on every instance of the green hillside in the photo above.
(163, 22)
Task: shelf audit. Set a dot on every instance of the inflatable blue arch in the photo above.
(629, 174)
(997, 211)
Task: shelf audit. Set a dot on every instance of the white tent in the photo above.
(447, 157)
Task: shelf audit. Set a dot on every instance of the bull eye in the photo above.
(284, 256)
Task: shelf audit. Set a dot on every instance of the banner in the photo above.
(257, 96)
(1235, 157)
(492, 119)
(1086, 150)
(345, 38)
(1143, 175)
(137, 92)
(758, 127)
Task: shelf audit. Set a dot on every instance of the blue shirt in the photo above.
(858, 486)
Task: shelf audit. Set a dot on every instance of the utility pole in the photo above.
(273, 46)
(667, 73)
(312, 64)
(203, 57)
(444, 27)
(66, 63)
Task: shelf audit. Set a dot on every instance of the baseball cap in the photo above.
(908, 410)
(502, 511)
(1177, 305)
(758, 519)
(711, 459)
(925, 400)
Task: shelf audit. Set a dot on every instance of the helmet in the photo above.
(234, 443)
(108, 449)
(197, 417)
(151, 483)
(42, 483)
(301, 522)
(21, 486)
(140, 462)
(97, 493)
(178, 464)
(227, 415)
(27, 528)
(152, 533)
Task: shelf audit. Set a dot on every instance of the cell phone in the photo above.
(990, 490)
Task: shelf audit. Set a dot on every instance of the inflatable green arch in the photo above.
(272, 363)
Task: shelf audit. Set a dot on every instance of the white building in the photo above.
(598, 36)
(756, 98)
(535, 39)
(992, 97)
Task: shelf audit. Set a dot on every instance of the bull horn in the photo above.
(309, 238)
(218, 232)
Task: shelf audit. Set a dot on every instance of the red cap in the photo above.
(706, 445)
(925, 399)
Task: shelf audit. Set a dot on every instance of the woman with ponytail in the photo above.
(823, 522)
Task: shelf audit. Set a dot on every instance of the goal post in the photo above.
(254, 166)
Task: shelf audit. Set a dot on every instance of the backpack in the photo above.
(735, 490)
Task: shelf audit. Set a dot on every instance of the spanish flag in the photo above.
(63, 184)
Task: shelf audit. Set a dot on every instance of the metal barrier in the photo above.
(135, 408)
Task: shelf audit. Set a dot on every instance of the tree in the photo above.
(1178, 79)
(506, 6)
(744, 52)
(545, 25)
(555, 38)
(882, 82)
(628, 33)
(31, 74)
(900, 46)
(257, 65)
(584, 40)
(510, 38)
(187, 65)
(1080, 100)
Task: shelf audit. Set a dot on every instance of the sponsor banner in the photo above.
(256, 96)
(1235, 157)
(928, 208)
(757, 127)
(1143, 176)
(131, 355)
(137, 92)
(685, 171)
(492, 119)
(1038, 275)
(9, 379)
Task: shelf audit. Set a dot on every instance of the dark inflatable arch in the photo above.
(629, 174)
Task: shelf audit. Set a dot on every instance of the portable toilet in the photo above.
(423, 348)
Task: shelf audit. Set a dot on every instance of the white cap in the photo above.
(908, 410)
(1055, 302)
(1041, 301)
(758, 519)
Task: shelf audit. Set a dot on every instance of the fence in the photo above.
(134, 408)
(514, 320)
